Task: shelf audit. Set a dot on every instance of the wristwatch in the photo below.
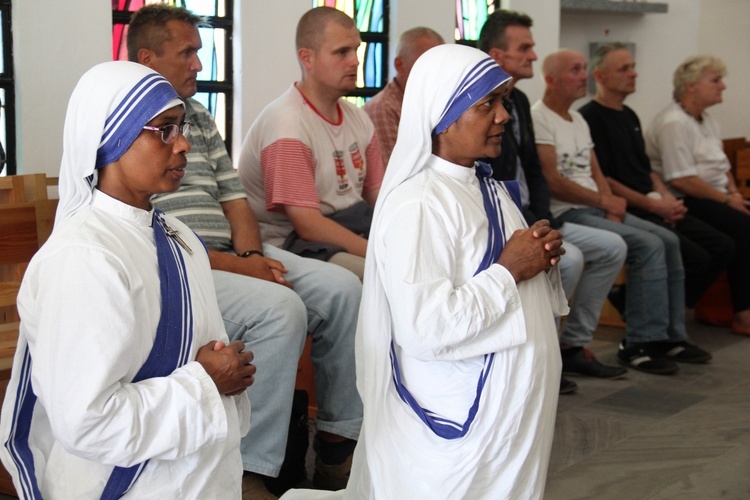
(244, 255)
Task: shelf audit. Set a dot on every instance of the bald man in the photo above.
(655, 306)
(385, 107)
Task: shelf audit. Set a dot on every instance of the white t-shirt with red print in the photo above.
(292, 156)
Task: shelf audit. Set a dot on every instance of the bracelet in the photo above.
(727, 199)
(244, 255)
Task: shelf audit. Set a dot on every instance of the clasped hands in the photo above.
(228, 365)
(532, 250)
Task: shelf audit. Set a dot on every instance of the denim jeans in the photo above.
(593, 259)
(655, 298)
(273, 321)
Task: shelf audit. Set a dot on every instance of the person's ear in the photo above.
(398, 64)
(496, 54)
(306, 57)
(146, 57)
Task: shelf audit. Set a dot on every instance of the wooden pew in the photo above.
(26, 218)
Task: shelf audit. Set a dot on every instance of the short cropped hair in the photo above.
(148, 27)
(493, 31)
(601, 52)
(313, 22)
(691, 70)
(408, 37)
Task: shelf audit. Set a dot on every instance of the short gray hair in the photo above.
(601, 52)
(692, 69)
(408, 38)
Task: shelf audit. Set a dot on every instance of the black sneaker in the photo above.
(567, 386)
(683, 352)
(583, 362)
(646, 358)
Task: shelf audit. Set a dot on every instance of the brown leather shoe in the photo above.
(253, 488)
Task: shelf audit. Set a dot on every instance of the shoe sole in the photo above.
(695, 361)
(653, 371)
(600, 377)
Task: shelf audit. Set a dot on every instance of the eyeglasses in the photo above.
(169, 132)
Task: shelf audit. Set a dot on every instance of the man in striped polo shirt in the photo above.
(269, 298)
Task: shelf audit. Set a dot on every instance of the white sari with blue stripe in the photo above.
(469, 410)
(105, 398)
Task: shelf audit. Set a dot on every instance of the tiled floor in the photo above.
(685, 436)
(655, 437)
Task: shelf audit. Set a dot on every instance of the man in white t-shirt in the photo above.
(311, 163)
(655, 307)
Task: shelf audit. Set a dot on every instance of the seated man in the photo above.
(619, 146)
(593, 257)
(655, 306)
(311, 163)
(385, 107)
(268, 298)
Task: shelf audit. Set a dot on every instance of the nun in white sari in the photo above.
(458, 364)
(123, 384)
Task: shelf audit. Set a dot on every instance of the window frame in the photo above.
(7, 83)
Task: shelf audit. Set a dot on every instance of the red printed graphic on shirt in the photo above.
(342, 177)
(358, 162)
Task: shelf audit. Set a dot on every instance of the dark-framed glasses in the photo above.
(169, 132)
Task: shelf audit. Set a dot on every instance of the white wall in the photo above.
(662, 42)
(724, 31)
(54, 43)
(51, 54)
(262, 74)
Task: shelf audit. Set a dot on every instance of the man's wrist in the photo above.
(250, 253)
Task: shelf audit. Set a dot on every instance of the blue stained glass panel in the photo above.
(471, 16)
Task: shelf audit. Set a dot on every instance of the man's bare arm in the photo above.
(246, 236)
(311, 225)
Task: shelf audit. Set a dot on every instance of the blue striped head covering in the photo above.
(484, 77)
(143, 102)
(107, 110)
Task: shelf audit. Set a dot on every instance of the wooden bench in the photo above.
(26, 218)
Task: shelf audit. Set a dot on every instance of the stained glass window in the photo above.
(470, 17)
(371, 18)
(7, 94)
(215, 80)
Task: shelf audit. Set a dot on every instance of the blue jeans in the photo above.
(655, 298)
(273, 321)
(593, 259)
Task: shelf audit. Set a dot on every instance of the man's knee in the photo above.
(265, 312)
(354, 263)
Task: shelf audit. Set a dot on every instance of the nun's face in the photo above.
(149, 166)
(477, 133)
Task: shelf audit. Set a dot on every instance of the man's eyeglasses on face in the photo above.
(169, 132)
